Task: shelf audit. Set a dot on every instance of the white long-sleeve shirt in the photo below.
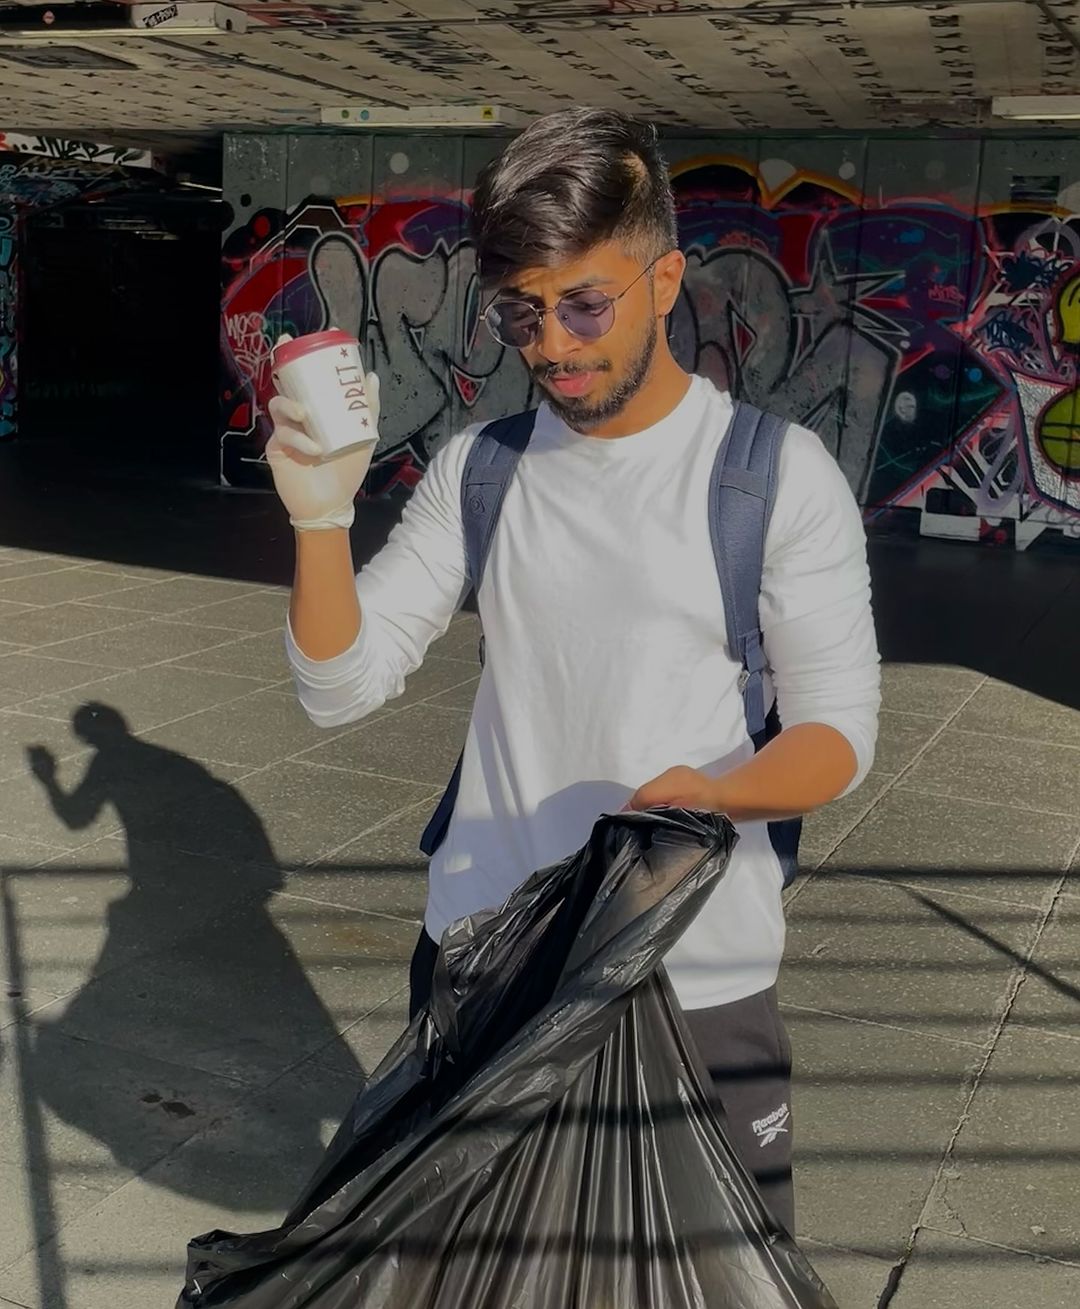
(606, 660)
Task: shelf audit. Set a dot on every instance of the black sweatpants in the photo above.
(745, 1047)
(747, 1052)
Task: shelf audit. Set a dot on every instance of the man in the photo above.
(607, 680)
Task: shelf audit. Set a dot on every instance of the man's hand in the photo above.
(317, 492)
(42, 762)
(678, 788)
(802, 769)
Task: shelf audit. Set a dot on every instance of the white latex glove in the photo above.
(318, 492)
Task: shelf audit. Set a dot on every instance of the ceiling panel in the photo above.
(711, 65)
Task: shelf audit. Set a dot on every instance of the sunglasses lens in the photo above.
(588, 315)
(513, 322)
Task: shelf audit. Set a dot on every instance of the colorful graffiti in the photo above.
(37, 181)
(87, 152)
(403, 278)
(8, 292)
(935, 349)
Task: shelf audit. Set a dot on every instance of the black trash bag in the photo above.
(542, 1136)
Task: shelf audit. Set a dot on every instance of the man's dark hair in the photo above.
(571, 180)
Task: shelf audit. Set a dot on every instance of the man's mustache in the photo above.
(549, 372)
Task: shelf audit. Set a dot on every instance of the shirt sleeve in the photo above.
(815, 610)
(408, 595)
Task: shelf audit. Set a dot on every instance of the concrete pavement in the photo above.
(208, 909)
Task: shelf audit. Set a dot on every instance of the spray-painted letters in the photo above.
(934, 349)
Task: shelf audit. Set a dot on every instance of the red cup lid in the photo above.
(289, 351)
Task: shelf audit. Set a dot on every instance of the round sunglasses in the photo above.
(588, 314)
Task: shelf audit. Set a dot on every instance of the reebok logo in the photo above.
(769, 1128)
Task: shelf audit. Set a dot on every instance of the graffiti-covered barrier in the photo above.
(9, 281)
(915, 301)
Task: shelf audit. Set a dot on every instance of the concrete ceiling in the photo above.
(802, 65)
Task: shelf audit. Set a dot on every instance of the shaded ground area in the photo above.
(207, 906)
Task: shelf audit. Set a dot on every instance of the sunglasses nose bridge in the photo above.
(554, 339)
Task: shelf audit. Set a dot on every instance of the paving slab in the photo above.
(80, 914)
(20, 852)
(855, 1281)
(1049, 999)
(27, 813)
(233, 998)
(950, 1272)
(462, 696)
(20, 733)
(19, 564)
(140, 572)
(176, 594)
(961, 846)
(874, 1111)
(25, 1219)
(461, 641)
(289, 814)
(240, 1174)
(1023, 774)
(824, 830)
(92, 1115)
(257, 611)
(420, 744)
(900, 739)
(364, 1044)
(1011, 1179)
(148, 697)
(914, 959)
(28, 676)
(382, 872)
(48, 625)
(154, 794)
(12, 608)
(254, 731)
(999, 709)
(140, 644)
(261, 656)
(435, 680)
(936, 690)
(66, 584)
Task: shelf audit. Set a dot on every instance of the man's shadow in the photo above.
(170, 806)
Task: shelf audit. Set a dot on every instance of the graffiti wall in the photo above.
(8, 291)
(915, 302)
(87, 152)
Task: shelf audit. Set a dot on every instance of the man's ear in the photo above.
(667, 281)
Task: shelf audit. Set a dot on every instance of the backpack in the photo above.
(742, 489)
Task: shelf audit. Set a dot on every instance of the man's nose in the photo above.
(555, 343)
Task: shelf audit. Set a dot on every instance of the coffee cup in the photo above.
(324, 373)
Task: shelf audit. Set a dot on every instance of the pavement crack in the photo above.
(946, 1170)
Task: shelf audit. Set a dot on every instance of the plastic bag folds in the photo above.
(543, 1136)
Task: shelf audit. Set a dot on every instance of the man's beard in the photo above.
(581, 413)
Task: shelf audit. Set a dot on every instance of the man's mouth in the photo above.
(572, 384)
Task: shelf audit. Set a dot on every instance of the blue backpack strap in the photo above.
(742, 490)
(489, 470)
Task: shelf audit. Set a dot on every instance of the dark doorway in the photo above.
(119, 339)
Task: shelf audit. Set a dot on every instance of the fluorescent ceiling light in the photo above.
(423, 116)
(1036, 108)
